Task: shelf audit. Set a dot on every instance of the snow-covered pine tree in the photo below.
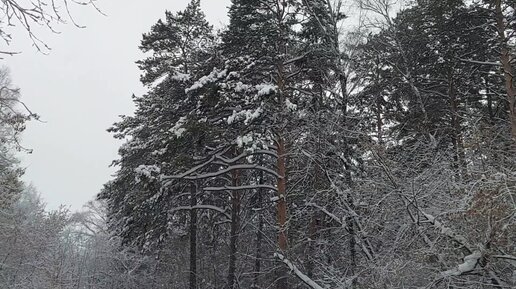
(162, 138)
(259, 99)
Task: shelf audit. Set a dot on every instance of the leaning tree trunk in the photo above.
(193, 237)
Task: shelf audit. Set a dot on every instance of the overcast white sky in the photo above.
(80, 88)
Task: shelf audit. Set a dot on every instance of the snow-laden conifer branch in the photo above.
(233, 188)
(188, 175)
(201, 207)
(190, 171)
(225, 171)
(245, 155)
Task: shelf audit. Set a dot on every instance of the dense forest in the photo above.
(293, 148)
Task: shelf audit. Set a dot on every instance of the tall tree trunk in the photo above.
(282, 210)
(508, 72)
(235, 213)
(350, 223)
(193, 237)
(489, 102)
(259, 236)
(456, 132)
(349, 181)
(282, 282)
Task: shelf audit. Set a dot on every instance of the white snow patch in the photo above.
(290, 106)
(239, 87)
(178, 128)
(307, 280)
(244, 140)
(181, 76)
(146, 170)
(470, 262)
(212, 77)
(265, 89)
(247, 115)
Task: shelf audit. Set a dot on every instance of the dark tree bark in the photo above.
(282, 282)
(508, 72)
(456, 133)
(193, 237)
(235, 224)
(259, 236)
(282, 211)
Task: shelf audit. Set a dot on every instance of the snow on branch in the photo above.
(329, 214)
(366, 248)
(202, 207)
(190, 171)
(232, 168)
(198, 167)
(248, 187)
(210, 78)
(506, 257)
(470, 262)
(298, 273)
(447, 231)
(480, 62)
(431, 219)
(224, 171)
(219, 156)
(295, 59)
(247, 154)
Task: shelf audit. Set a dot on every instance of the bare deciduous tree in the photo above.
(30, 14)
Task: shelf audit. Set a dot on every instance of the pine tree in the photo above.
(162, 136)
